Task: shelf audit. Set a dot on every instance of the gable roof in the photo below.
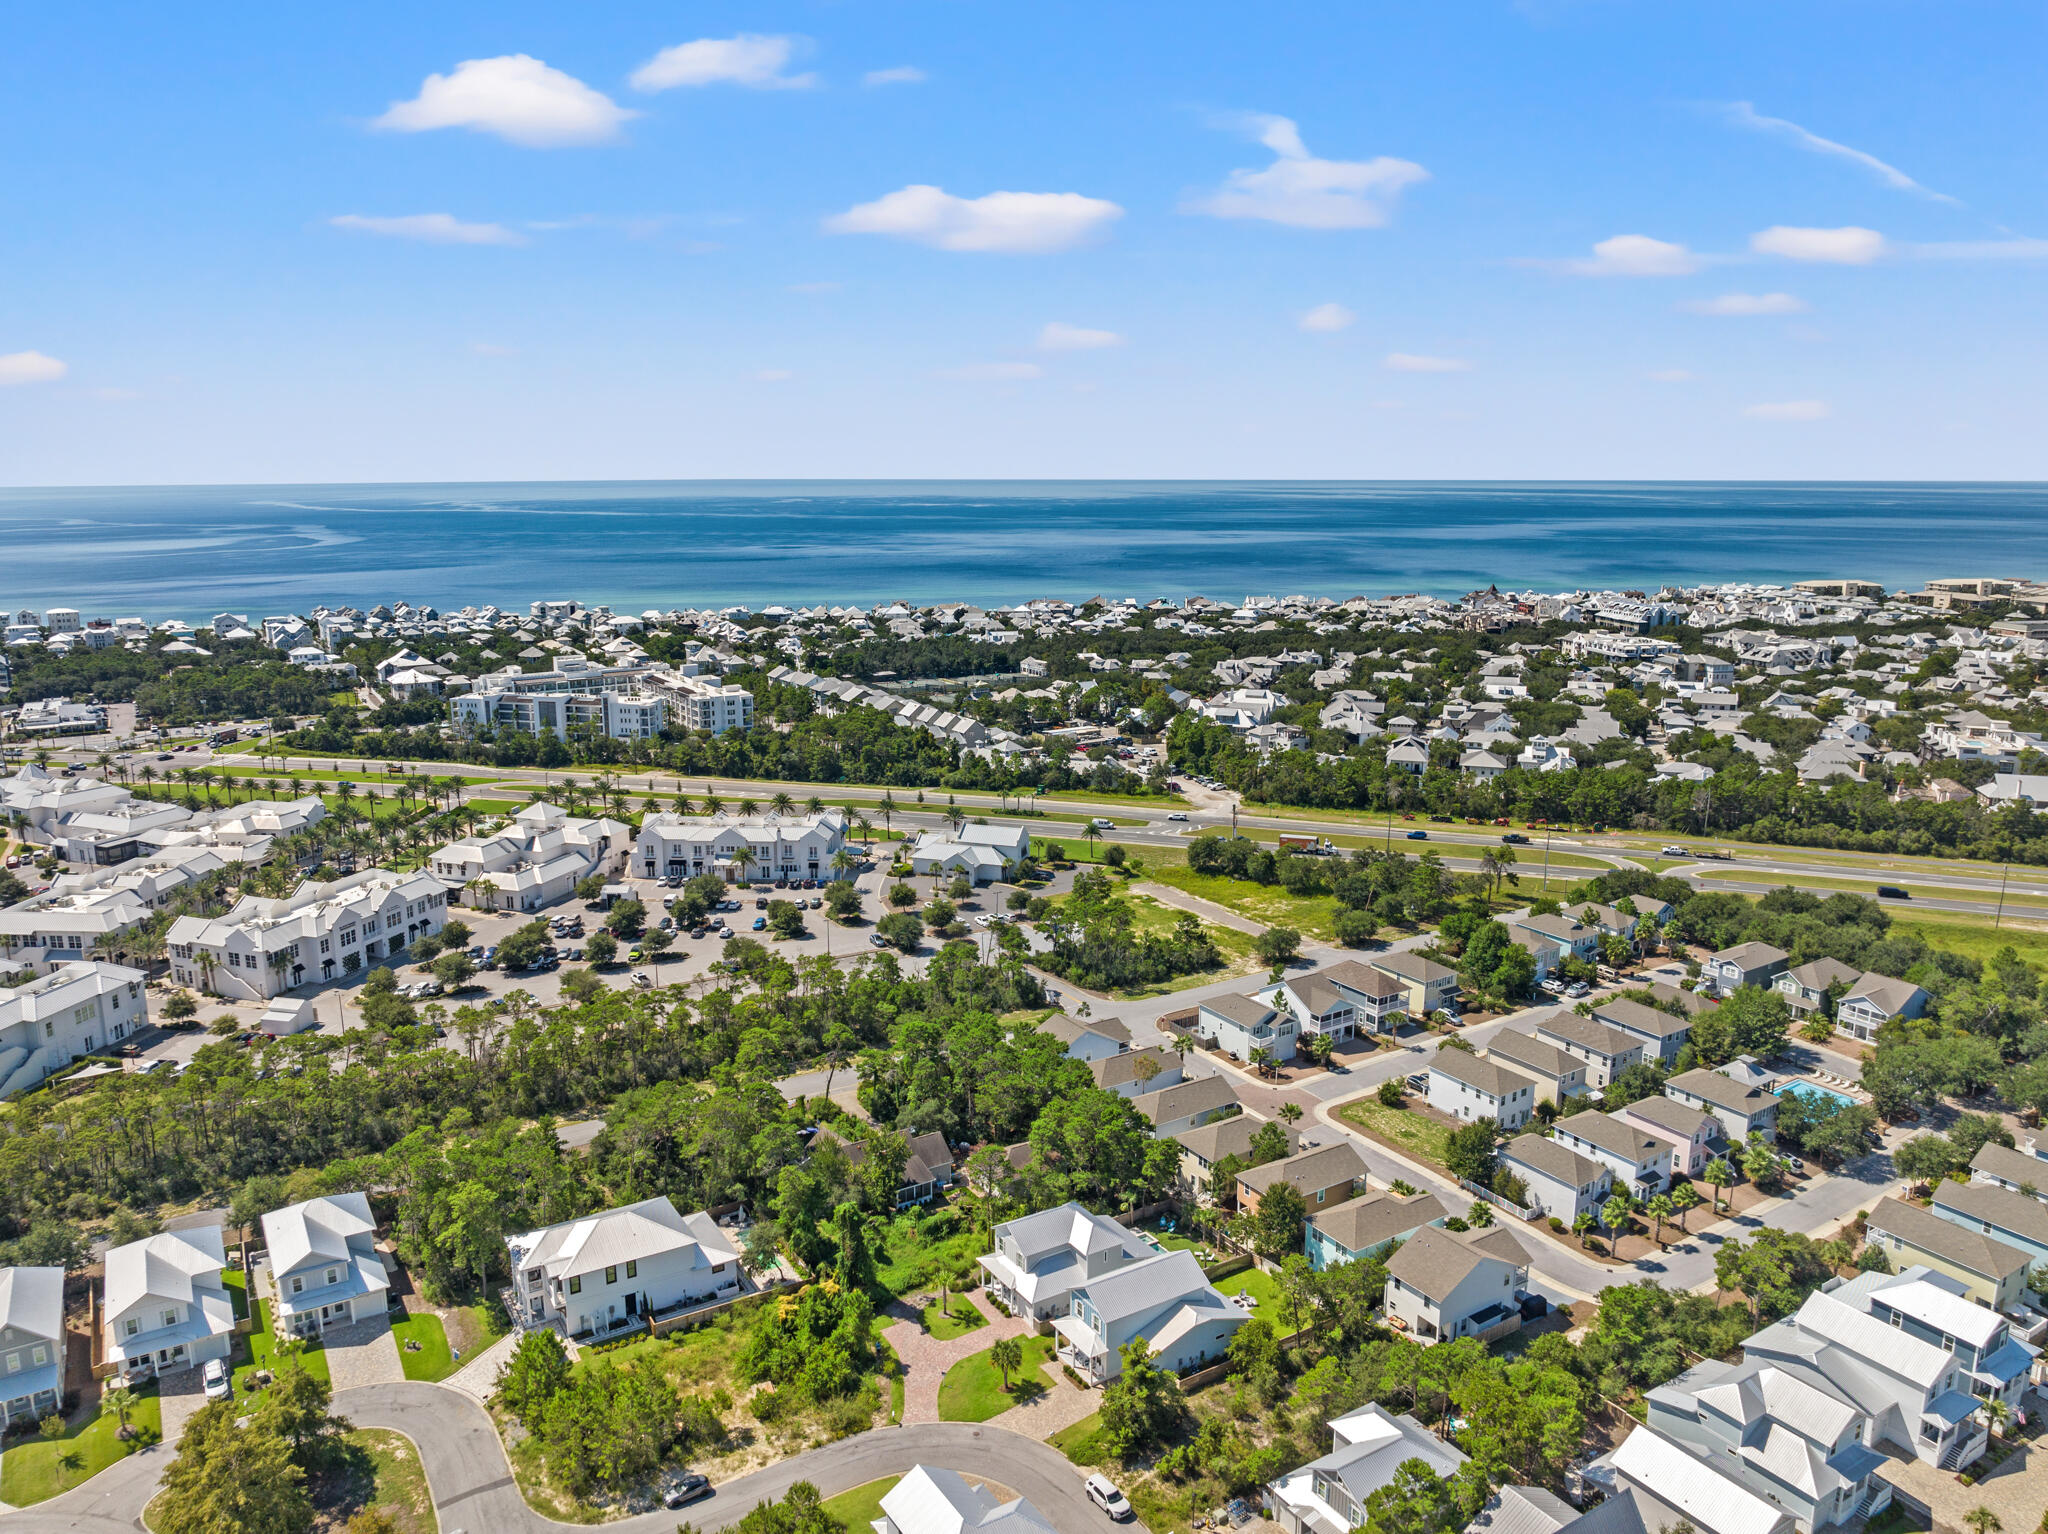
(2005, 1209)
(1634, 1017)
(1481, 1075)
(1145, 1285)
(1412, 967)
(1128, 1066)
(1554, 1159)
(1245, 1011)
(1229, 1137)
(165, 1266)
(1712, 1501)
(1530, 1053)
(1613, 1136)
(1750, 956)
(1323, 1167)
(1364, 979)
(32, 1301)
(1884, 994)
(1967, 1248)
(1361, 1224)
(1819, 974)
(1713, 1087)
(1669, 1113)
(1434, 1262)
(320, 1228)
(1184, 1099)
(2013, 1166)
(1560, 1023)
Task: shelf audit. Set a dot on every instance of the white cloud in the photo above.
(1303, 192)
(902, 74)
(1408, 362)
(516, 97)
(814, 287)
(1326, 319)
(1010, 222)
(1059, 336)
(749, 59)
(1743, 115)
(1850, 245)
(1746, 305)
(1669, 375)
(993, 372)
(1789, 410)
(28, 368)
(433, 228)
(771, 375)
(1633, 255)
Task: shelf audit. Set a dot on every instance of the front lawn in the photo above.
(860, 1507)
(36, 1469)
(376, 1469)
(1082, 1442)
(965, 1318)
(423, 1347)
(1417, 1133)
(972, 1390)
(264, 1351)
(472, 1328)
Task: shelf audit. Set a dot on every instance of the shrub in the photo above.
(1390, 1093)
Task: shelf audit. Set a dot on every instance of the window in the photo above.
(39, 1355)
(611, 1275)
(14, 1363)
(170, 1318)
(633, 1269)
(298, 1284)
(332, 1275)
(134, 1325)
(576, 1285)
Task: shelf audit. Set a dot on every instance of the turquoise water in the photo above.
(1814, 1089)
(190, 551)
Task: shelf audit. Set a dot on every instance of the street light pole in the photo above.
(2004, 872)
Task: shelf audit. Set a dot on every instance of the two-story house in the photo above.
(1675, 1489)
(1660, 1034)
(1874, 1001)
(1432, 987)
(1088, 1038)
(1379, 1001)
(2017, 1219)
(1323, 1176)
(1368, 1449)
(933, 1500)
(1363, 1228)
(1562, 932)
(1744, 964)
(1442, 1285)
(1740, 1106)
(324, 1264)
(1201, 1148)
(1691, 1134)
(1805, 987)
(1239, 1025)
(1187, 1104)
(1562, 1183)
(1037, 1260)
(1163, 1301)
(1640, 1161)
(1989, 1270)
(1607, 1051)
(1134, 1071)
(166, 1305)
(618, 1269)
(927, 1166)
(1469, 1087)
(31, 1344)
(2000, 1166)
(1315, 1004)
(1557, 1075)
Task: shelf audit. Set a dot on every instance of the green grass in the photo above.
(1267, 904)
(1264, 1292)
(36, 1469)
(472, 1328)
(1081, 1442)
(263, 1349)
(1975, 937)
(910, 1260)
(431, 1361)
(258, 774)
(1419, 1135)
(1136, 801)
(497, 806)
(966, 1317)
(238, 1291)
(380, 1469)
(863, 1505)
(972, 1390)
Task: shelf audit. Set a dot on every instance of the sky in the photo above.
(1692, 239)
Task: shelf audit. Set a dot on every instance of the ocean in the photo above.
(191, 551)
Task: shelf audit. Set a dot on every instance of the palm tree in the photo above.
(1659, 1209)
(1982, 1520)
(749, 806)
(743, 859)
(1582, 1225)
(864, 829)
(712, 803)
(1684, 1198)
(1007, 1354)
(782, 803)
(888, 810)
(682, 804)
(1720, 1174)
(842, 862)
(815, 805)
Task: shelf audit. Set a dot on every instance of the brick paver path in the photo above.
(362, 1353)
(180, 1394)
(1063, 1404)
(479, 1376)
(926, 1359)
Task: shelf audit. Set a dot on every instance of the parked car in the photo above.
(725, 932)
(1103, 1493)
(1577, 989)
(760, 923)
(219, 1383)
(641, 979)
(691, 1488)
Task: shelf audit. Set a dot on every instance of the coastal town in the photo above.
(1525, 1061)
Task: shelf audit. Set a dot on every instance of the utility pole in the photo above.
(2004, 871)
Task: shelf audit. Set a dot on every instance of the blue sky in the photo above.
(950, 238)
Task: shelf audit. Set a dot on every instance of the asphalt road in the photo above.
(474, 1493)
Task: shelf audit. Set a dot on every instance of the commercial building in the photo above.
(323, 932)
(738, 848)
(534, 861)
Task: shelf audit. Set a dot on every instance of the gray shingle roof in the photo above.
(1324, 1167)
(1482, 1075)
(1361, 1224)
(1968, 1249)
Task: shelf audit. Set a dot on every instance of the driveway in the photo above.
(361, 1354)
(926, 1359)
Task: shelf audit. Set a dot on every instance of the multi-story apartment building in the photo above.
(80, 911)
(323, 932)
(71, 1011)
(776, 846)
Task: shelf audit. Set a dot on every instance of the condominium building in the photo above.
(775, 846)
(322, 932)
(65, 923)
(71, 1011)
(534, 861)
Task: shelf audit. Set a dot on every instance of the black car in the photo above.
(1892, 892)
(691, 1488)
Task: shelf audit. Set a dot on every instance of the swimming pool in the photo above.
(1801, 1088)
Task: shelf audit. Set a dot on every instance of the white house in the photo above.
(1368, 1447)
(72, 1011)
(1237, 1025)
(983, 852)
(1443, 1285)
(1039, 1260)
(1186, 1104)
(1684, 1489)
(322, 932)
(612, 1270)
(1640, 1161)
(31, 1343)
(933, 1500)
(1089, 1039)
(1875, 1000)
(1562, 1183)
(1379, 1001)
(324, 1266)
(1607, 1051)
(1468, 1087)
(166, 1306)
(536, 860)
(1163, 1301)
(797, 846)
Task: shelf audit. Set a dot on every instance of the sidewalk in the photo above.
(479, 1377)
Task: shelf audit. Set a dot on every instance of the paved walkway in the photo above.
(1063, 1404)
(926, 1359)
(363, 1353)
(180, 1395)
(479, 1377)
